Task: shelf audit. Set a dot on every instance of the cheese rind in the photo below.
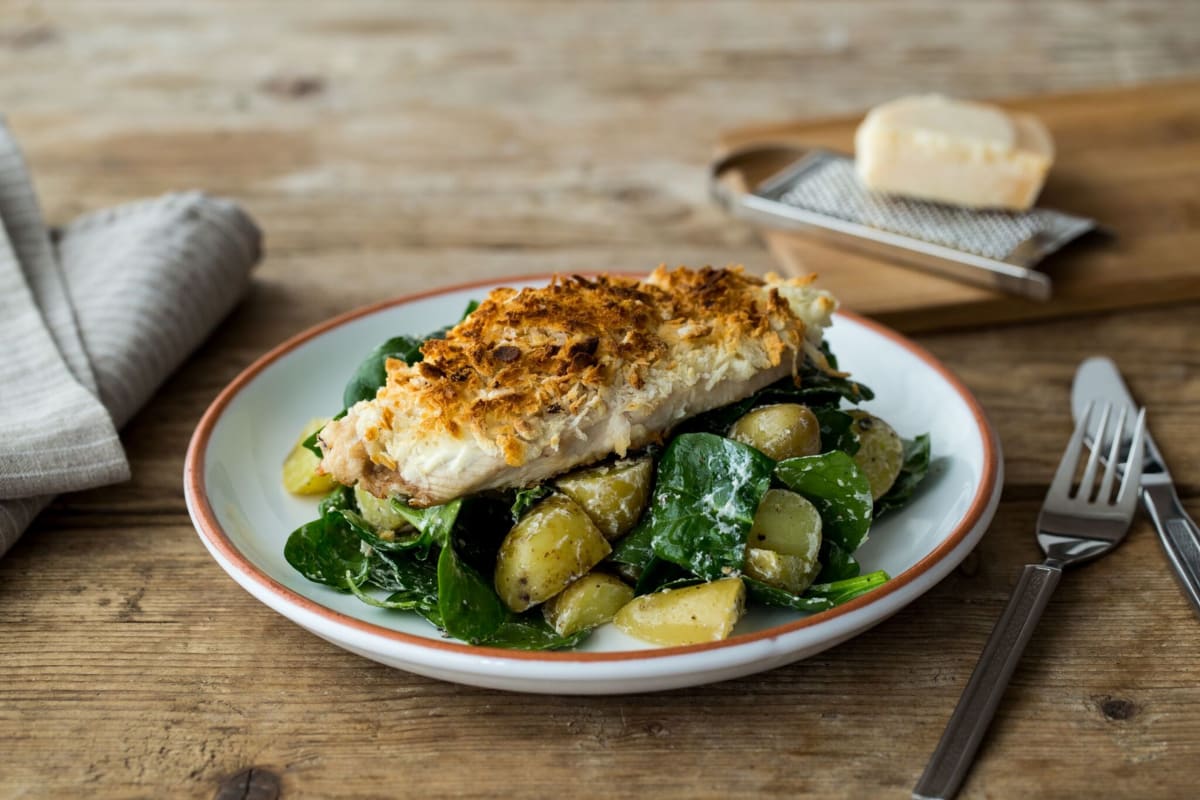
(968, 154)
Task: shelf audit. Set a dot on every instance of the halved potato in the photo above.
(786, 523)
(880, 453)
(379, 513)
(300, 474)
(790, 573)
(706, 612)
(784, 430)
(554, 543)
(590, 601)
(613, 495)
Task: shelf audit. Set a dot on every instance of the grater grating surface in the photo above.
(826, 183)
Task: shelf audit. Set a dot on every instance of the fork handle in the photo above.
(956, 750)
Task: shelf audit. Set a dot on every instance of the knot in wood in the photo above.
(1117, 709)
(252, 783)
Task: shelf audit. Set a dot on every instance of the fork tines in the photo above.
(1087, 493)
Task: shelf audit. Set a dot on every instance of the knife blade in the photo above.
(1098, 380)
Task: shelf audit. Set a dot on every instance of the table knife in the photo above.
(1098, 379)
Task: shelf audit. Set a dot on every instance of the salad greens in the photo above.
(707, 489)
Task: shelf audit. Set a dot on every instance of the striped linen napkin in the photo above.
(94, 322)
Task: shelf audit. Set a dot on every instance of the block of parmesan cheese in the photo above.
(968, 154)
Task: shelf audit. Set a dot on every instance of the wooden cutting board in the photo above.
(1129, 158)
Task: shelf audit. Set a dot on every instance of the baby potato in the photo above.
(300, 474)
(784, 430)
(590, 601)
(880, 454)
(790, 573)
(786, 523)
(613, 495)
(379, 513)
(553, 544)
(706, 612)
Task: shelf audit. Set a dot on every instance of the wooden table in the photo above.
(389, 148)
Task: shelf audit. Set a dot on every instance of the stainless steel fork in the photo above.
(1071, 528)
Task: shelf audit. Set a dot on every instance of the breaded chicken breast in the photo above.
(536, 382)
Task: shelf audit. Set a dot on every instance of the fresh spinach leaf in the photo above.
(844, 591)
(705, 495)
(467, 605)
(326, 550)
(530, 631)
(839, 490)
(916, 467)
(780, 598)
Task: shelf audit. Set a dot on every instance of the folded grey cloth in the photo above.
(92, 327)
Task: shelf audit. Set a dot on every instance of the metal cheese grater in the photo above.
(821, 194)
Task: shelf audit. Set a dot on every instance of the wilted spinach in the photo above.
(916, 467)
(467, 604)
(525, 499)
(707, 491)
(839, 490)
(844, 591)
(774, 596)
(811, 386)
(371, 373)
(836, 563)
(433, 523)
(327, 550)
(530, 631)
(705, 495)
(837, 430)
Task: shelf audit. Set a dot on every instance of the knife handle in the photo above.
(1179, 535)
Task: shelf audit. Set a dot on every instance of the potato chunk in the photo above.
(590, 601)
(786, 523)
(880, 453)
(784, 430)
(553, 544)
(300, 474)
(613, 495)
(379, 513)
(703, 613)
(790, 573)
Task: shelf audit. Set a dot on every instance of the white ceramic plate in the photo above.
(243, 514)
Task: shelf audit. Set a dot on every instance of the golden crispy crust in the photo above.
(527, 354)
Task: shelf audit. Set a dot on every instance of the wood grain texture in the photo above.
(387, 148)
(1126, 157)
